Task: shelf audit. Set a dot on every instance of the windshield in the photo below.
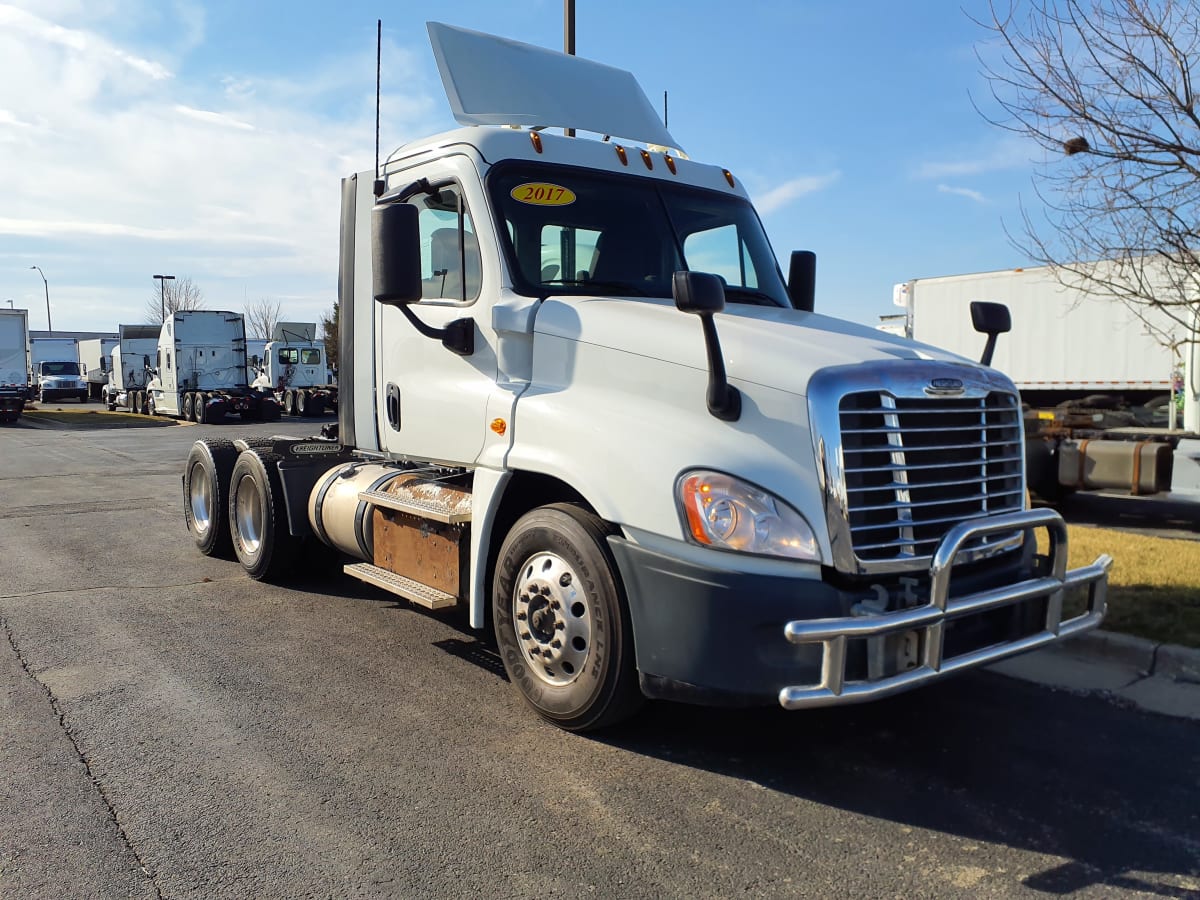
(583, 232)
(60, 368)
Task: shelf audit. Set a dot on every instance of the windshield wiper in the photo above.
(622, 286)
(739, 294)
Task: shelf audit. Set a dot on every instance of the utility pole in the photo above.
(162, 292)
(569, 40)
(46, 285)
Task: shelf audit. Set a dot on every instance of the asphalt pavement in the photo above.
(170, 728)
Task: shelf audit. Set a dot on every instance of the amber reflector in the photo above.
(621, 155)
(728, 176)
(647, 160)
(670, 164)
(499, 426)
(536, 140)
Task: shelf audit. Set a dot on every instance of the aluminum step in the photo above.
(450, 511)
(422, 594)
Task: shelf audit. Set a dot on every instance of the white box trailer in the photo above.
(95, 361)
(14, 363)
(55, 373)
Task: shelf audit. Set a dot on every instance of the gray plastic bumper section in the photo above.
(929, 620)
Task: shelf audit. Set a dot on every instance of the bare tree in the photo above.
(1105, 88)
(261, 318)
(329, 334)
(175, 296)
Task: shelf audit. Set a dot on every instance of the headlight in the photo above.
(730, 514)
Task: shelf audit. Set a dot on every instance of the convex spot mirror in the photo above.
(395, 254)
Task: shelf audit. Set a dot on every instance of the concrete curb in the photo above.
(1152, 676)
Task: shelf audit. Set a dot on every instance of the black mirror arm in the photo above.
(724, 400)
(458, 336)
(988, 349)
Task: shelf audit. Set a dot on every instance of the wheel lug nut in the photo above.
(524, 635)
(547, 654)
(559, 626)
(556, 644)
(554, 604)
(521, 616)
(545, 590)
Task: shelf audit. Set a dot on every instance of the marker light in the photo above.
(670, 163)
(730, 514)
(729, 177)
(621, 155)
(499, 426)
(647, 160)
(536, 140)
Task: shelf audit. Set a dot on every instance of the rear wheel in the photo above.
(189, 408)
(561, 620)
(258, 519)
(302, 403)
(139, 399)
(205, 492)
(289, 403)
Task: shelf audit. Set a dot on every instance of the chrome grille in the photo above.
(915, 467)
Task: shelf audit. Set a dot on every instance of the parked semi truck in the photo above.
(295, 370)
(14, 363)
(55, 372)
(1112, 398)
(581, 402)
(130, 366)
(200, 371)
(95, 360)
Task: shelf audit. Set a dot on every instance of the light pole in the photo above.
(45, 284)
(162, 292)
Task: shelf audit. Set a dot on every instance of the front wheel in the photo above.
(561, 620)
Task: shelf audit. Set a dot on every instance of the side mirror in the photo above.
(702, 294)
(395, 254)
(802, 280)
(990, 319)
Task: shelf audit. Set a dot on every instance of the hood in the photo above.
(779, 348)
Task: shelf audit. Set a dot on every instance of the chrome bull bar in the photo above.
(929, 620)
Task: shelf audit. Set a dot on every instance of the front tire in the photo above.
(258, 518)
(205, 495)
(562, 622)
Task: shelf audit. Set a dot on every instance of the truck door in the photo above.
(431, 402)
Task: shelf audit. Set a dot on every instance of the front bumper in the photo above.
(722, 636)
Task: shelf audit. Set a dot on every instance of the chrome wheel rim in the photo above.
(553, 619)
(200, 498)
(248, 514)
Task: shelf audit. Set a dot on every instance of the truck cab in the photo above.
(580, 400)
(294, 367)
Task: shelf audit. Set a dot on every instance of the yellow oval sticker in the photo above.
(542, 194)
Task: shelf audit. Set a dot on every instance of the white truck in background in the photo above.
(14, 363)
(200, 371)
(55, 372)
(130, 364)
(580, 401)
(1101, 385)
(295, 369)
(95, 360)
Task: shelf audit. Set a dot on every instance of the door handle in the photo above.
(393, 406)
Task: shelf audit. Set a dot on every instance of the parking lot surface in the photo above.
(170, 728)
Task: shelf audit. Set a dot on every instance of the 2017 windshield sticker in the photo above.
(539, 193)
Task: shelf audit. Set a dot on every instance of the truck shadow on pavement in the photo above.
(981, 757)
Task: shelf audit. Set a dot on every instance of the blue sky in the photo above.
(207, 139)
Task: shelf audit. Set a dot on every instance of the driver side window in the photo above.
(451, 265)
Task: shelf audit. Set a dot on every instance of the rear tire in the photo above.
(289, 403)
(258, 518)
(302, 403)
(562, 623)
(205, 495)
(189, 408)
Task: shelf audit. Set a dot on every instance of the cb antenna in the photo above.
(378, 186)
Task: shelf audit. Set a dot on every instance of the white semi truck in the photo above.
(581, 403)
(295, 370)
(14, 363)
(54, 368)
(131, 362)
(200, 371)
(95, 360)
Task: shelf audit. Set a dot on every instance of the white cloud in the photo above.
(1006, 153)
(213, 118)
(962, 192)
(781, 195)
